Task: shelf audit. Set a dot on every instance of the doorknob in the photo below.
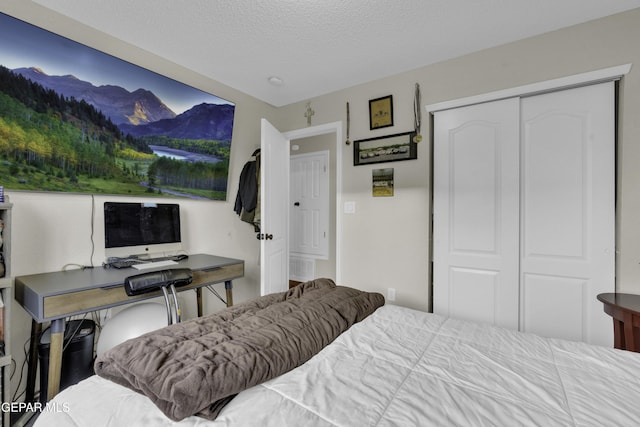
(296, 204)
(262, 236)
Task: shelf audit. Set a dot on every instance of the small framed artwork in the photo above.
(382, 182)
(390, 148)
(381, 112)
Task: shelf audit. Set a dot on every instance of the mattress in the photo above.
(401, 367)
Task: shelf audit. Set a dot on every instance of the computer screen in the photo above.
(141, 228)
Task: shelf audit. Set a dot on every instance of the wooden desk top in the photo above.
(48, 296)
(59, 282)
(628, 302)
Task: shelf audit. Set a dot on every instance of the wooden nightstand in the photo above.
(625, 310)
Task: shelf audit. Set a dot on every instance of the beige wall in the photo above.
(386, 242)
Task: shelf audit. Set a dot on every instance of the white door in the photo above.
(274, 210)
(563, 183)
(309, 205)
(475, 213)
(568, 221)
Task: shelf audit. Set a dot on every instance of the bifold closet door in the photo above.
(476, 205)
(524, 224)
(568, 212)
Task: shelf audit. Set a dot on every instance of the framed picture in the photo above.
(381, 112)
(390, 148)
(382, 182)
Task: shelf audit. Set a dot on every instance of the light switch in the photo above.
(349, 207)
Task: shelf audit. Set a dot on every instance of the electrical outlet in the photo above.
(391, 294)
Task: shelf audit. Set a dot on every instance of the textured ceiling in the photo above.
(320, 46)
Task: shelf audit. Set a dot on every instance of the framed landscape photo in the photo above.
(381, 112)
(390, 148)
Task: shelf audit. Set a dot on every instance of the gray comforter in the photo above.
(198, 366)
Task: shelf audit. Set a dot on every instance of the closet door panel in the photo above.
(568, 212)
(476, 213)
(473, 293)
(555, 174)
(554, 306)
(474, 188)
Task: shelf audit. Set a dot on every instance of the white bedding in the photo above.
(401, 367)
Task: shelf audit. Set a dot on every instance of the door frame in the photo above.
(328, 128)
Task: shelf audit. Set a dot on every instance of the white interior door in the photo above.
(568, 217)
(475, 213)
(309, 205)
(274, 210)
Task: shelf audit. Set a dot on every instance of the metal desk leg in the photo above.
(55, 357)
(229, 288)
(32, 367)
(199, 301)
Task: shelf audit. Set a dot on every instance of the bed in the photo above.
(402, 367)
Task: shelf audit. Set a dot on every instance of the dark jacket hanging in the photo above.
(247, 197)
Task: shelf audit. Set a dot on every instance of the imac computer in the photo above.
(144, 230)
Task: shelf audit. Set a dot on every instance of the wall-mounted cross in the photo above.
(308, 113)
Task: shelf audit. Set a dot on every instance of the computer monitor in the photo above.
(135, 229)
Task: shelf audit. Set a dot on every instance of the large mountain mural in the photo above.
(74, 119)
(61, 132)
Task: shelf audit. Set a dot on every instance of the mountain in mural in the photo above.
(203, 121)
(118, 104)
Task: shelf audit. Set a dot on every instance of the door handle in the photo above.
(296, 204)
(262, 236)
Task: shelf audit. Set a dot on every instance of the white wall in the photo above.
(386, 242)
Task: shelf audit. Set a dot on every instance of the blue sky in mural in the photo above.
(24, 45)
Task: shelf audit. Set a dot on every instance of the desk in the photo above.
(625, 310)
(57, 295)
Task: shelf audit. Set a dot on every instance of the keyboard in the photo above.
(154, 264)
(121, 263)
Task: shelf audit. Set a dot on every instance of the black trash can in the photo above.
(77, 357)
